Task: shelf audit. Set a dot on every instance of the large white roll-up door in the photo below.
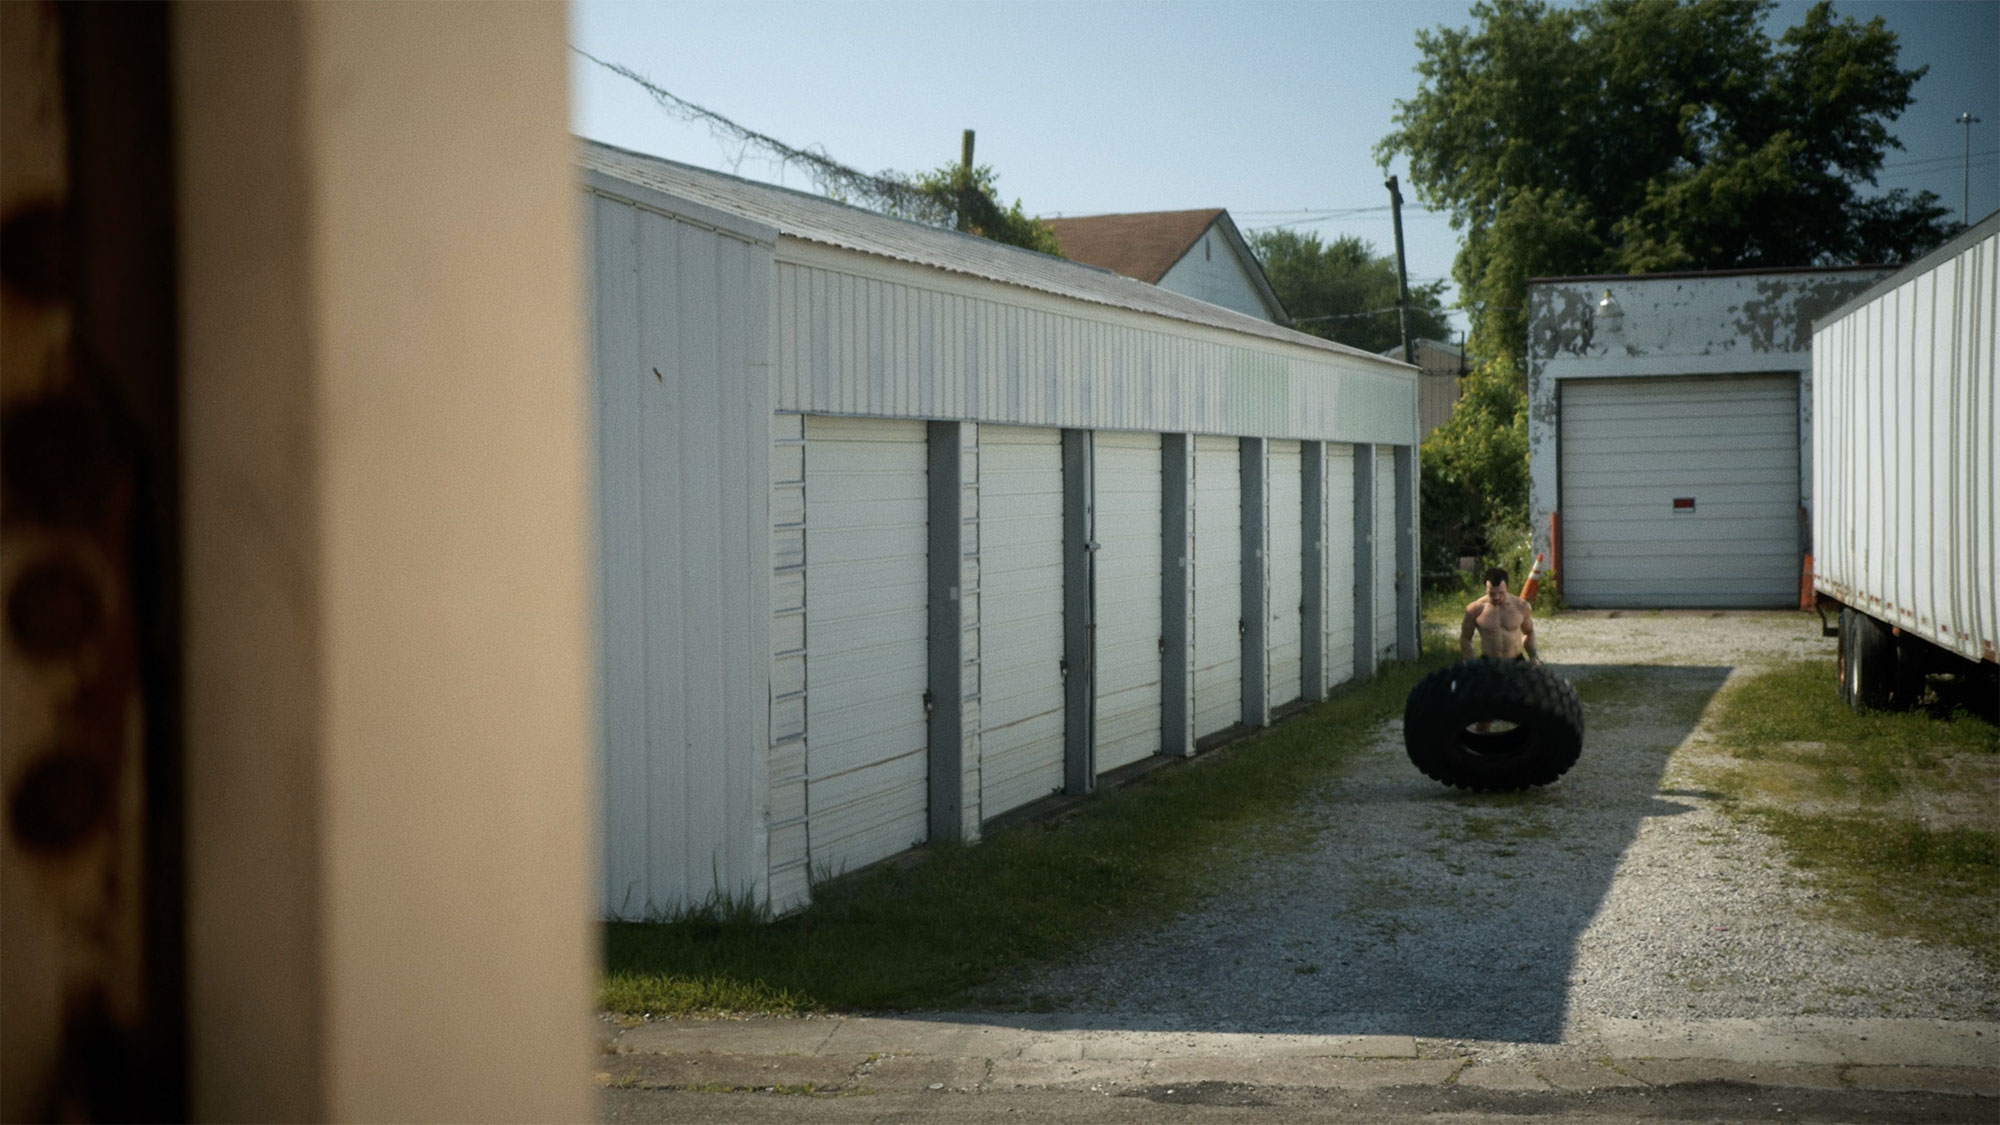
(1680, 491)
(1218, 585)
(1385, 552)
(866, 625)
(1340, 608)
(1284, 564)
(1127, 474)
(1020, 616)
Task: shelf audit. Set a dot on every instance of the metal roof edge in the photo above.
(1952, 248)
(604, 183)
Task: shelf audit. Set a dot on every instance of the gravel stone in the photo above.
(1504, 924)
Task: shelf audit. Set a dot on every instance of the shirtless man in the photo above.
(1506, 629)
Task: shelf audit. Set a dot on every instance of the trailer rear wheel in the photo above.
(1868, 669)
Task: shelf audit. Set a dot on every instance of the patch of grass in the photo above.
(1846, 793)
(948, 929)
(1792, 715)
(1903, 876)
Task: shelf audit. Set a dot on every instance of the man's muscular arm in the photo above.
(1466, 631)
(1528, 635)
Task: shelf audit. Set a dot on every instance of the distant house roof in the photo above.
(1148, 244)
(814, 218)
(1144, 245)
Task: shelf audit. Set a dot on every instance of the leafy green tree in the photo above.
(1344, 291)
(1634, 136)
(954, 195)
(1474, 469)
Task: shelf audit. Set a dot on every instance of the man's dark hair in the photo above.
(1496, 574)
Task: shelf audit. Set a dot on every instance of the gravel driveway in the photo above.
(1511, 925)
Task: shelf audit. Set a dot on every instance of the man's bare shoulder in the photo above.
(1473, 609)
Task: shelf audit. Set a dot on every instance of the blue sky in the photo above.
(1268, 109)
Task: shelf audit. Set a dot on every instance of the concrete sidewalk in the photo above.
(983, 1054)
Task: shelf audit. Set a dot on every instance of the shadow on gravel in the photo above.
(1417, 909)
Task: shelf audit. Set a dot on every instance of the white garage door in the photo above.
(1681, 492)
(1127, 472)
(1385, 552)
(1020, 616)
(1284, 551)
(1218, 585)
(1339, 563)
(866, 623)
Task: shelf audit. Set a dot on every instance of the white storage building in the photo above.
(1669, 433)
(904, 530)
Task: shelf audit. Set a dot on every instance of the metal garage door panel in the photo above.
(1284, 552)
(1218, 584)
(1631, 447)
(1020, 616)
(866, 625)
(1385, 552)
(1339, 522)
(1127, 475)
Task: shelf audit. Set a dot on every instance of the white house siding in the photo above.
(1633, 449)
(1339, 523)
(1021, 616)
(1284, 564)
(866, 630)
(1218, 601)
(1385, 553)
(1127, 473)
(1210, 271)
(682, 504)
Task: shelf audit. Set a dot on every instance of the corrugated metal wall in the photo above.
(684, 444)
(1906, 474)
(859, 335)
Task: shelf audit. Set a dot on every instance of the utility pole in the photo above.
(1402, 271)
(965, 184)
(1965, 197)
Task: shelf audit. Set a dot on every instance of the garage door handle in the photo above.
(1063, 664)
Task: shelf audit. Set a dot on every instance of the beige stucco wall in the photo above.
(390, 700)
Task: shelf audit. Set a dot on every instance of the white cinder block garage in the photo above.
(1669, 438)
(903, 531)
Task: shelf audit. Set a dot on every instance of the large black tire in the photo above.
(1543, 742)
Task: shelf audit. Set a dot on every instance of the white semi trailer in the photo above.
(1906, 476)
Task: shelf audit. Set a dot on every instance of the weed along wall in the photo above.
(903, 530)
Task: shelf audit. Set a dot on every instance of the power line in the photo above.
(889, 191)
